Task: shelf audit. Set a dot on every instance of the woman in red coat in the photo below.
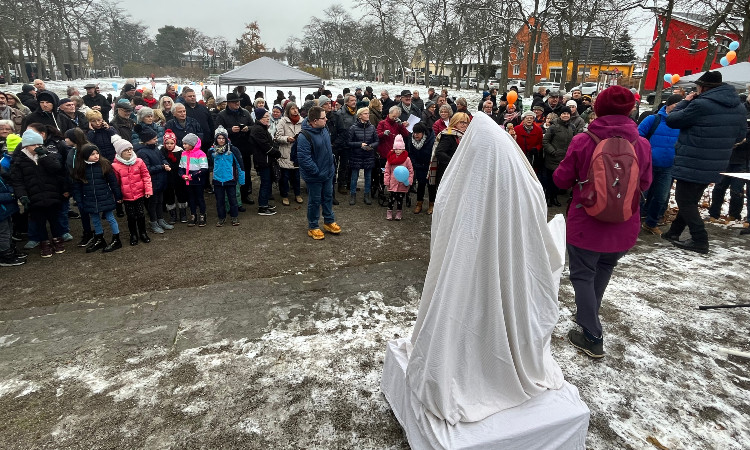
(529, 137)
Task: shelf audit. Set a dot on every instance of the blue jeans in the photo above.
(63, 219)
(657, 195)
(264, 192)
(736, 195)
(110, 216)
(355, 177)
(289, 177)
(224, 194)
(319, 194)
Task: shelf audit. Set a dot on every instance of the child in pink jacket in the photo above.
(135, 183)
(397, 157)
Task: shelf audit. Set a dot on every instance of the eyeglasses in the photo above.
(322, 118)
(463, 123)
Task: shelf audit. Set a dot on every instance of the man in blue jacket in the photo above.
(662, 139)
(315, 158)
(711, 122)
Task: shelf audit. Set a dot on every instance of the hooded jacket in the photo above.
(360, 158)
(135, 181)
(42, 181)
(25, 111)
(662, 140)
(709, 127)
(154, 159)
(316, 166)
(99, 193)
(58, 120)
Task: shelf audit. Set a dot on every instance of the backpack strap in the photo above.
(312, 144)
(654, 126)
(594, 137)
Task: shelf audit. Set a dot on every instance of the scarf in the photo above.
(91, 162)
(295, 119)
(220, 150)
(418, 144)
(528, 128)
(5, 113)
(510, 116)
(352, 111)
(397, 160)
(127, 162)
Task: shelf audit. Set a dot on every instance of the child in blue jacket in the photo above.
(228, 172)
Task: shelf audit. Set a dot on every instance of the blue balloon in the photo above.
(724, 61)
(668, 78)
(402, 174)
(734, 45)
(114, 85)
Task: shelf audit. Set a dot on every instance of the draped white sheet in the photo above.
(481, 343)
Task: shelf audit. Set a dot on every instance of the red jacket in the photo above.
(439, 126)
(528, 141)
(386, 142)
(135, 181)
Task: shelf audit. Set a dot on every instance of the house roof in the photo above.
(593, 49)
(701, 20)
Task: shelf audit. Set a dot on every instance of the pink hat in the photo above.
(398, 143)
(615, 100)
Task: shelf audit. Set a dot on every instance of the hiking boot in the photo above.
(353, 199)
(172, 216)
(8, 258)
(86, 239)
(430, 208)
(155, 228)
(133, 239)
(389, 215)
(57, 245)
(581, 342)
(653, 230)
(193, 220)
(202, 220)
(221, 222)
(332, 228)
(298, 199)
(285, 201)
(266, 211)
(114, 245)
(47, 249)
(418, 208)
(343, 189)
(398, 214)
(97, 243)
(164, 224)
(690, 244)
(670, 237)
(316, 234)
(235, 221)
(368, 199)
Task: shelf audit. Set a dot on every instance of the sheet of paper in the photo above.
(413, 120)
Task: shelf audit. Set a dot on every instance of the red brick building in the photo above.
(519, 52)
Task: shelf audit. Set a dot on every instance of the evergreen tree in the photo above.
(249, 44)
(622, 49)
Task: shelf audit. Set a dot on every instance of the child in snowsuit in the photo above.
(228, 172)
(135, 182)
(397, 157)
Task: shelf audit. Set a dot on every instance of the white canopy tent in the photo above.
(737, 75)
(265, 72)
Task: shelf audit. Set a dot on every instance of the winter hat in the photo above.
(27, 88)
(398, 143)
(221, 99)
(64, 101)
(144, 112)
(190, 139)
(259, 113)
(571, 103)
(615, 100)
(322, 100)
(45, 96)
(145, 133)
(12, 141)
(565, 109)
(528, 113)
(128, 87)
(221, 131)
(70, 134)
(674, 98)
(120, 144)
(709, 79)
(31, 137)
(124, 104)
(169, 136)
(87, 150)
(279, 107)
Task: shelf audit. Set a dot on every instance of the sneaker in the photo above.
(57, 245)
(193, 220)
(31, 244)
(581, 342)
(653, 230)
(332, 228)
(155, 228)
(285, 201)
(266, 211)
(689, 244)
(164, 224)
(202, 220)
(220, 223)
(271, 207)
(298, 199)
(67, 237)
(235, 221)
(316, 234)
(47, 249)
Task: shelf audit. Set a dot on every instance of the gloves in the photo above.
(40, 150)
(274, 153)
(25, 201)
(367, 148)
(387, 132)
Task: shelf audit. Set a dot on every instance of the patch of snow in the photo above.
(8, 340)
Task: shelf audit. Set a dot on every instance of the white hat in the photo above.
(120, 144)
(572, 103)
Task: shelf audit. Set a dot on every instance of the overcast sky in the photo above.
(278, 19)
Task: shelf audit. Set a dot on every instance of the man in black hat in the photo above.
(237, 121)
(96, 101)
(711, 123)
(407, 108)
(68, 108)
(553, 103)
(47, 114)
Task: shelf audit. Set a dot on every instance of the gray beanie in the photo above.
(528, 113)
(221, 99)
(143, 112)
(190, 139)
(322, 100)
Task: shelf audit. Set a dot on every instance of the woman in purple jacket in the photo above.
(594, 247)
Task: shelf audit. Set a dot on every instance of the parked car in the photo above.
(439, 80)
(519, 84)
(587, 88)
(664, 94)
(549, 85)
(493, 84)
(468, 83)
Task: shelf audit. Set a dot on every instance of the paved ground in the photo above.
(257, 337)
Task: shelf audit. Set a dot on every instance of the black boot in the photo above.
(86, 239)
(172, 216)
(120, 210)
(97, 244)
(133, 230)
(183, 215)
(114, 245)
(142, 230)
(8, 258)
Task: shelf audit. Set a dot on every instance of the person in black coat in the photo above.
(96, 101)
(28, 97)
(201, 114)
(419, 145)
(158, 167)
(263, 156)
(122, 121)
(237, 121)
(47, 114)
(181, 124)
(363, 144)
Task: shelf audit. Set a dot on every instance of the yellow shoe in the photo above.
(298, 199)
(332, 228)
(285, 201)
(316, 234)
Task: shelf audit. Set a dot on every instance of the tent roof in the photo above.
(738, 75)
(268, 72)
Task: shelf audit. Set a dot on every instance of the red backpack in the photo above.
(611, 192)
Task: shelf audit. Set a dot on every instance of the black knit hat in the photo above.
(674, 98)
(565, 109)
(709, 79)
(145, 134)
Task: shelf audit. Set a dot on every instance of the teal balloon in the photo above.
(734, 45)
(114, 85)
(402, 174)
(668, 78)
(724, 61)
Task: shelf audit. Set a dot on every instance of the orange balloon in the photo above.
(512, 97)
(731, 55)
(675, 78)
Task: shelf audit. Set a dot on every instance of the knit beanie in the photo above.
(87, 150)
(615, 100)
(259, 113)
(674, 98)
(571, 103)
(279, 107)
(124, 104)
(26, 88)
(565, 109)
(398, 143)
(528, 113)
(120, 144)
(221, 131)
(221, 99)
(169, 136)
(12, 141)
(31, 137)
(145, 132)
(144, 112)
(191, 139)
(322, 100)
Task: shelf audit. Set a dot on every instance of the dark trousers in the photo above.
(154, 206)
(550, 188)
(176, 192)
(38, 218)
(420, 183)
(247, 158)
(85, 221)
(264, 192)
(195, 199)
(736, 193)
(289, 177)
(396, 198)
(6, 230)
(687, 195)
(228, 193)
(657, 196)
(344, 175)
(590, 273)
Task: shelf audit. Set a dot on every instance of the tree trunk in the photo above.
(534, 33)
(711, 34)
(743, 53)
(663, 53)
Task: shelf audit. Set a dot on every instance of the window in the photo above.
(555, 74)
(516, 69)
(538, 47)
(693, 46)
(520, 52)
(538, 69)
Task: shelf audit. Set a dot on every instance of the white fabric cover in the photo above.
(481, 342)
(554, 419)
(737, 75)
